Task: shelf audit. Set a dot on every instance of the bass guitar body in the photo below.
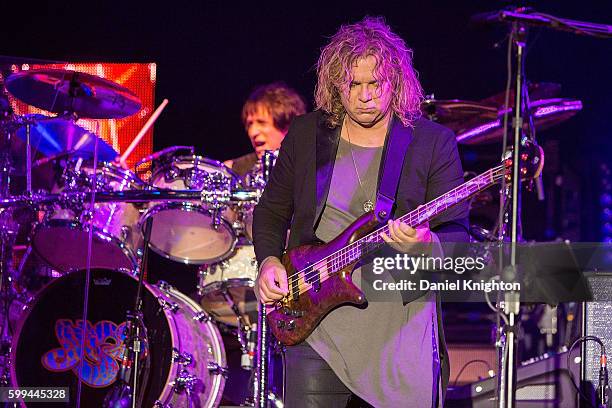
(317, 292)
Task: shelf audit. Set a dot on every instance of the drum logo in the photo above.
(103, 351)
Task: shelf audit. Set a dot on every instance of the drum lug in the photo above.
(216, 369)
(171, 175)
(186, 382)
(164, 286)
(126, 231)
(184, 359)
(167, 305)
(202, 317)
(86, 216)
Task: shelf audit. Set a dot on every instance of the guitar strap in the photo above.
(392, 163)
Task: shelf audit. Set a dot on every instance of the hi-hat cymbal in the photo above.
(56, 136)
(60, 91)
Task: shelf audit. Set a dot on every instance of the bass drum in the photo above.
(184, 360)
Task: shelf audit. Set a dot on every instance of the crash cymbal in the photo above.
(60, 91)
(537, 91)
(546, 113)
(457, 114)
(55, 136)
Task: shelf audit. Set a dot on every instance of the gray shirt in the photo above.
(382, 353)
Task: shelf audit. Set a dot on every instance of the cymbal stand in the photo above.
(8, 234)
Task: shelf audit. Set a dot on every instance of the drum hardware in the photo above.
(202, 317)
(163, 154)
(181, 358)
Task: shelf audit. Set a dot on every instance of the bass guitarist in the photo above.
(386, 354)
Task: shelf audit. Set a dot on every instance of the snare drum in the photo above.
(62, 236)
(231, 281)
(192, 232)
(184, 363)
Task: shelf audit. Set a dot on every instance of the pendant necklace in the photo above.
(368, 205)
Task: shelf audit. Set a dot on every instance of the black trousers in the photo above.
(311, 383)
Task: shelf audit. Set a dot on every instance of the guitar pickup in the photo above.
(295, 289)
(315, 280)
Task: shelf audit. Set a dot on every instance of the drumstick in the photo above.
(140, 135)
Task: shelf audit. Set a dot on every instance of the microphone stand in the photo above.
(508, 371)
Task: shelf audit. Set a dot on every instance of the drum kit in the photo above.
(85, 222)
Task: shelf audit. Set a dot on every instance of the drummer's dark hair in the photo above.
(280, 100)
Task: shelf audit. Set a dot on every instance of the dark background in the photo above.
(210, 55)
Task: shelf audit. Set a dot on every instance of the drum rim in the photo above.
(72, 224)
(112, 168)
(191, 159)
(230, 283)
(189, 207)
(218, 379)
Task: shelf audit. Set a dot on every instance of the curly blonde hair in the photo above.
(371, 36)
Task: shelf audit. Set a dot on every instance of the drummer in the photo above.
(266, 116)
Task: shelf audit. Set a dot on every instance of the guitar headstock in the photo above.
(531, 161)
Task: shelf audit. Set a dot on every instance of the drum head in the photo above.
(186, 234)
(63, 245)
(47, 344)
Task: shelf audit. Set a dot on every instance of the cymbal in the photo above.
(458, 114)
(537, 91)
(546, 113)
(52, 136)
(60, 91)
